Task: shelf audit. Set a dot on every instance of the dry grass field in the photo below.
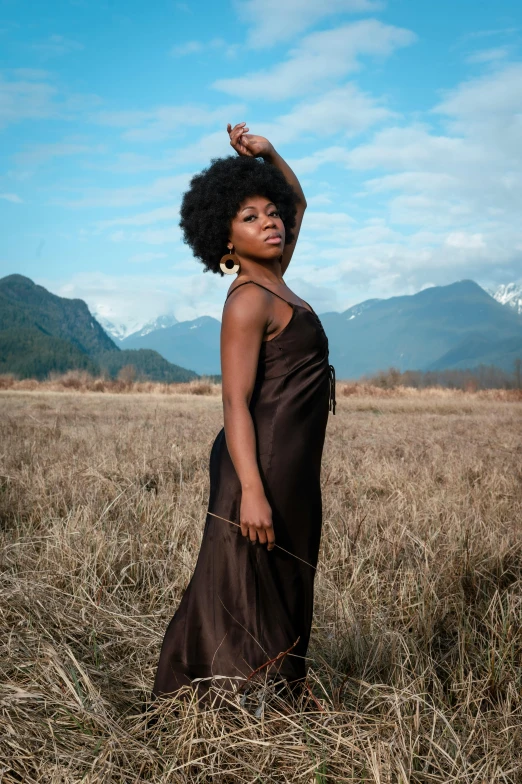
(416, 652)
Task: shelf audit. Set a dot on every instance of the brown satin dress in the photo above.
(244, 605)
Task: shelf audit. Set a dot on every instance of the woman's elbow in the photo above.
(235, 402)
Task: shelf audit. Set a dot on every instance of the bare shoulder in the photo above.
(250, 294)
(239, 282)
(247, 306)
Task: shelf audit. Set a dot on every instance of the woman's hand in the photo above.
(247, 144)
(256, 518)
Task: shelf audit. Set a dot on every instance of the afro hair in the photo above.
(214, 198)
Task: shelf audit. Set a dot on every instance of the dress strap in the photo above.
(263, 287)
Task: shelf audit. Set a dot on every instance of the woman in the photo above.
(250, 599)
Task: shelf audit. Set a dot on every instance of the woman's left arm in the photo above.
(275, 159)
(258, 146)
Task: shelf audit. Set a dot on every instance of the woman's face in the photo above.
(253, 228)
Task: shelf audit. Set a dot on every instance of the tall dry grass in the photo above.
(81, 381)
(416, 652)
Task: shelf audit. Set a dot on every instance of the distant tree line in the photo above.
(142, 364)
(480, 377)
(28, 353)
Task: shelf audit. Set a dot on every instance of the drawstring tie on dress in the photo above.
(331, 376)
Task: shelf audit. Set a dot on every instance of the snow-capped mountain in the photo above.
(356, 310)
(509, 294)
(119, 329)
(162, 322)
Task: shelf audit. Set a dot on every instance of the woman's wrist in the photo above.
(252, 487)
(270, 156)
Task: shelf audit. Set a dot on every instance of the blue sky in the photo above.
(402, 119)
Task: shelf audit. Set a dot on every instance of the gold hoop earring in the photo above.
(229, 263)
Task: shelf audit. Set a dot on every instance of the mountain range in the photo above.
(455, 326)
(458, 326)
(441, 327)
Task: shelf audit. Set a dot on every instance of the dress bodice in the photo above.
(301, 345)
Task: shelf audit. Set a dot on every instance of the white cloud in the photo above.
(129, 298)
(410, 146)
(344, 111)
(326, 221)
(13, 197)
(489, 111)
(488, 55)
(319, 58)
(194, 47)
(412, 181)
(130, 163)
(495, 92)
(310, 163)
(393, 148)
(28, 96)
(324, 230)
(25, 100)
(281, 20)
(213, 145)
(189, 47)
(387, 264)
(501, 31)
(459, 239)
(162, 189)
(165, 122)
(37, 154)
(167, 213)
(170, 234)
(144, 297)
(216, 144)
(319, 200)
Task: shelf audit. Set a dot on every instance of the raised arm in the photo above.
(257, 146)
(276, 160)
